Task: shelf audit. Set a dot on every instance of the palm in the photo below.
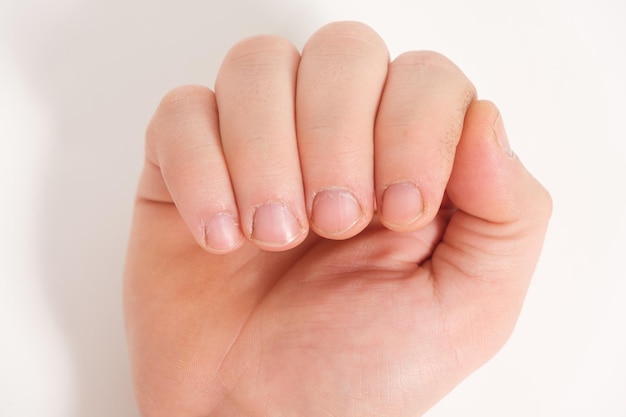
(361, 325)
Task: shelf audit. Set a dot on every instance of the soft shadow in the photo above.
(102, 68)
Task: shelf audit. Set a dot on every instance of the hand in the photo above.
(328, 234)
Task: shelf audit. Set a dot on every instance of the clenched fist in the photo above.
(327, 233)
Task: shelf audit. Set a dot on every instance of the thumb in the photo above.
(490, 248)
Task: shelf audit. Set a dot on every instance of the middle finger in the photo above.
(340, 79)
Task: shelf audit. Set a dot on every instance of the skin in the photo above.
(281, 262)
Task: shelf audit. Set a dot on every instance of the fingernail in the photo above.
(221, 233)
(501, 136)
(275, 225)
(402, 204)
(335, 211)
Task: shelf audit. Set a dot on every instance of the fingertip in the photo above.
(221, 234)
(276, 227)
(337, 214)
(402, 206)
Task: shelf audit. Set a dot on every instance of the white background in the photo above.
(80, 79)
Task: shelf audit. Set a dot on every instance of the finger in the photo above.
(340, 80)
(255, 92)
(483, 265)
(417, 129)
(185, 166)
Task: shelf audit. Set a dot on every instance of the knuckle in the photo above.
(175, 105)
(424, 59)
(182, 100)
(252, 68)
(183, 94)
(259, 51)
(352, 28)
(430, 63)
(357, 37)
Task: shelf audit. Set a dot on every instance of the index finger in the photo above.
(419, 123)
